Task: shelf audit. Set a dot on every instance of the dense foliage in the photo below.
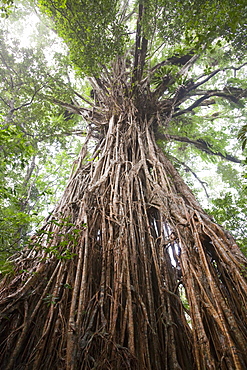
(36, 135)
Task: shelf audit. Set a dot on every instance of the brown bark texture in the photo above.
(128, 272)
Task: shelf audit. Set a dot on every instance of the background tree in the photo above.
(36, 135)
(129, 271)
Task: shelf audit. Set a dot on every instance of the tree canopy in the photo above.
(98, 31)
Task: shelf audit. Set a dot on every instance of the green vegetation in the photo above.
(38, 138)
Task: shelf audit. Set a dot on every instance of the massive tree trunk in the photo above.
(104, 285)
(128, 272)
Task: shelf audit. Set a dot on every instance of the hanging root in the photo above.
(128, 272)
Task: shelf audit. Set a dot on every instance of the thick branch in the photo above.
(199, 144)
(207, 95)
(205, 79)
(28, 103)
(174, 60)
(140, 47)
(82, 98)
(187, 61)
(73, 108)
(188, 169)
(208, 77)
(191, 85)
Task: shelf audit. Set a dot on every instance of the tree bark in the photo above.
(128, 272)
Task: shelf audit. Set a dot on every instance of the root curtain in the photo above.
(127, 273)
